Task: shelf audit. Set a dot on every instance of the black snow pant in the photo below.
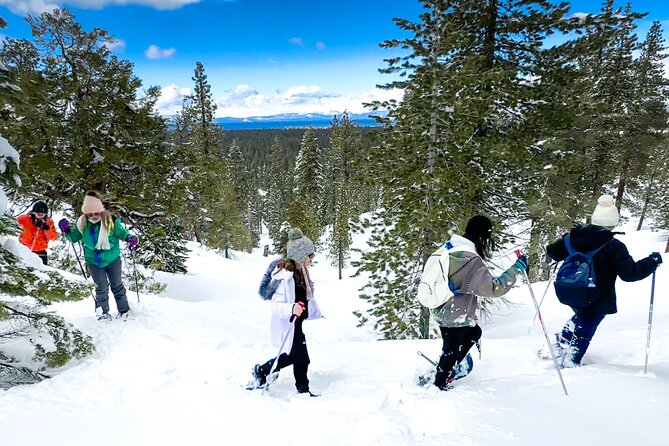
(457, 343)
(578, 332)
(298, 358)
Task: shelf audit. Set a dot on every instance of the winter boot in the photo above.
(259, 376)
(105, 317)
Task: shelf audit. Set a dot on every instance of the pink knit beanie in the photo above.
(92, 205)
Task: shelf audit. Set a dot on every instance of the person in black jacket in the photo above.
(612, 261)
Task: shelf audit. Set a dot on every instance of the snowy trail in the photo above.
(174, 375)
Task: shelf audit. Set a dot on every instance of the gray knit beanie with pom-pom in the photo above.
(299, 246)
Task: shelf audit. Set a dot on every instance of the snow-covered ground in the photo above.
(175, 373)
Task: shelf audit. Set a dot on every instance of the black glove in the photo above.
(657, 257)
(42, 224)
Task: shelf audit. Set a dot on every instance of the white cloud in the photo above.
(296, 41)
(171, 99)
(244, 101)
(155, 52)
(38, 6)
(117, 45)
(320, 45)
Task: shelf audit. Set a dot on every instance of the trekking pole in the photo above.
(428, 359)
(548, 341)
(650, 323)
(276, 358)
(78, 261)
(95, 301)
(548, 285)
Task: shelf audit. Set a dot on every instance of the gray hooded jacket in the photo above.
(471, 279)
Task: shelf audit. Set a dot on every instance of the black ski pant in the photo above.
(578, 332)
(457, 343)
(42, 255)
(298, 358)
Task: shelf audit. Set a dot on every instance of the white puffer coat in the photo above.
(282, 309)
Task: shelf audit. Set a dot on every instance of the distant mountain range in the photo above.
(290, 120)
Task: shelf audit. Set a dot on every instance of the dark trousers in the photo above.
(103, 278)
(457, 343)
(298, 358)
(578, 332)
(42, 255)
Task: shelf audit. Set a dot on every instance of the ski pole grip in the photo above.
(519, 253)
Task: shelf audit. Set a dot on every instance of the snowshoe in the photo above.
(560, 349)
(105, 317)
(463, 368)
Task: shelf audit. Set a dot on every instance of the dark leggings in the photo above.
(298, 358)
(578, 332)
(457, 343)
(42, 255)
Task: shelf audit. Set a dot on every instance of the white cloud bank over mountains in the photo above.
(39, 6)
(245, 101)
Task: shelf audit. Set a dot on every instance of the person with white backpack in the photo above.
(455, 297)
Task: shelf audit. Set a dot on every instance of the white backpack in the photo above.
(434, 289)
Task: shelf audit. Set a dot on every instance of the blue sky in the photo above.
(262, 57)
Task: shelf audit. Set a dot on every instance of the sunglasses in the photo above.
(94, 214)
(312, 255)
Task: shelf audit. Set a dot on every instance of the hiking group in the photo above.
(455, 279)
(99, 232)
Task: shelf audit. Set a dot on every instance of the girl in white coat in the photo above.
(292, 303)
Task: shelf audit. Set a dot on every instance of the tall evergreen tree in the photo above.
(86, 126)
(279, 190)
(446, 144)
(211, 208)
(340, 204)
(303, 203)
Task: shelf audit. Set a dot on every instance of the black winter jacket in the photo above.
(612, 261)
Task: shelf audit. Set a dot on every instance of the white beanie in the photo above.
(606, 213)
(92, 205)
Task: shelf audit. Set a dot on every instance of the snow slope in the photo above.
(174, 373)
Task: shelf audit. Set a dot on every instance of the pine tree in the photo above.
(446, 145)
(646, 156)
(309, 176)
(211, 208)
(340, 204)
(85, 126)
(24, 296)
(279, 187)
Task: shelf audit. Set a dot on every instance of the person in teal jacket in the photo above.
(99, 233)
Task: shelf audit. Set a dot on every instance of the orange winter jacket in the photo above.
(35, 238)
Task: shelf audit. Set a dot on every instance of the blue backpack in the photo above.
(576, 284)
(267, 285)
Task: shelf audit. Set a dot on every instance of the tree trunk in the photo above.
(646, 199)
(623, 179)
(340, 252)
(535, 251)
(197, 232)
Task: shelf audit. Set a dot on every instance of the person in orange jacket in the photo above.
(38, 229)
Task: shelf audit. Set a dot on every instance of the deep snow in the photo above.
(174, 374)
